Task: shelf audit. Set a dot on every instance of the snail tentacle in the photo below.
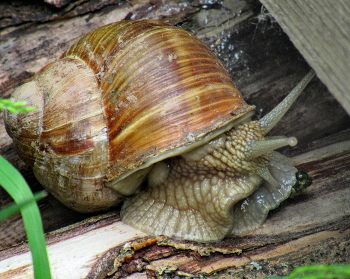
(267, 176)
(255, 149)
(274, 116)
(196, 192)
(146, 109)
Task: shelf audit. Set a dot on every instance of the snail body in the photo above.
(145, 103)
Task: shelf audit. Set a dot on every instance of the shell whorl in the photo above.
(162, 89)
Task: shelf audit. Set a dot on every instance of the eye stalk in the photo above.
(255, 149)
(274, 116)
(226, 186)
(140, 101)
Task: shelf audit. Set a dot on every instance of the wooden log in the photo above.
(313, 227)
(264, 65)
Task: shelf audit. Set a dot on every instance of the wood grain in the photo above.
(312, 227)
(265, 65)
(319, 29)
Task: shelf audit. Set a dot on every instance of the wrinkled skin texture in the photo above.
(192, 196)
(224, 187)
(142, 101)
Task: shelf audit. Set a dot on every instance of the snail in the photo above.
(144, 112)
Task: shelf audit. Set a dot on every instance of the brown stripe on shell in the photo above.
(73, 118)
(162, 89)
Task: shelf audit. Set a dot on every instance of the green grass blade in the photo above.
(16, 207)
(12, 181)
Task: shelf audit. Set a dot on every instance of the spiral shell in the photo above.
(162, 89)
(121, 98)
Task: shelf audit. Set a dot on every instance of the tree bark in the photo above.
(310, 228)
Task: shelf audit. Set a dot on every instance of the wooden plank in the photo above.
(308, 228)
(265, 66)
(72, 256)
(319, 29)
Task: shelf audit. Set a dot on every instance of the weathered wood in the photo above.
(84, 244)
(319, 29)
(312, 227)
(264, 65)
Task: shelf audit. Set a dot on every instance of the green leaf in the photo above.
(15, 107)
(339, 271)
(335, 271)
(6, 101)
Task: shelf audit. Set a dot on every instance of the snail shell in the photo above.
(120, 102)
